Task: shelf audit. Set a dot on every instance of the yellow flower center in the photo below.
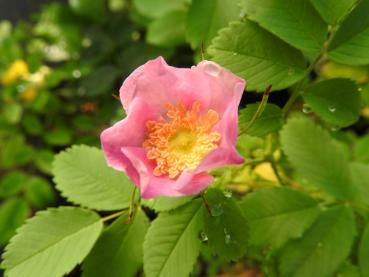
(182, 141)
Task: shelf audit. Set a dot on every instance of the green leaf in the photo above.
(13, 213)
(43, 160)
(364, 252)
(118, 252)
(58, 137)
(350, 45)
(296, 22)
(277, 215)
(13, 112)
(268, 122)
(52, 243)
(317, 156)
(164, 204)
(206, 17)
(32, 124)
(84, 178)
(337, 101)
(323, 247)
(257, 56)
(361, 149)
(39, 192)
(168, 30)
(157, 8)
(171, 244)
(360, 179)
(92, 84)
(15, 152)
(12, 183)
(333, 10)
(226, 227)
(93, 10)
(349, 270)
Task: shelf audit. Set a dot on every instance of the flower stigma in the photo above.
(181, 141)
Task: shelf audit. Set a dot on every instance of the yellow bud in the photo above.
(17, 70)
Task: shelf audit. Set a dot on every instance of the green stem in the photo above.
(259, 111)
(111, 216)
(296, 93)
(131, 206)
(276, 172)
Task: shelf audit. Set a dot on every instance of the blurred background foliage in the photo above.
(60, 71)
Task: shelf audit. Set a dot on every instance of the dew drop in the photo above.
(203, 236)
(227, 193)
(234, 54)
(335, 128)
(76, 73)
(217, 210)
(227, 237)
(212, 69)
(332, 108)
(306, 109)
(359, 89)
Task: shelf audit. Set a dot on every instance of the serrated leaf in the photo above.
(323, 247)
(294, 21)
(119, 251)
(276, 215)
(226, 227)
(157, 8)
(171, 245)
(364, 252)
(52, 243)
(268, 122)
(257, 56)
(333, 11)
(350, 45)
(164, 204)
(168, 30)
(84, 178)
(13, 213)
(337, 101)
(206, 17)
(317, 157)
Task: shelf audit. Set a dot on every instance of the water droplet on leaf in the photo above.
(203, 236)
(332, 109)
(227, 237)
(212, 69)
(306, 109)
(335, 128)
(227, 193)
(217, 210)
(76, 73)
(359, 89)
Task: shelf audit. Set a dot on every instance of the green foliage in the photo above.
(90, 182)
(168, 30)
(207, 17)
(317, 157)
(13, 213)
(296, 22)
(257, 56)
(277, 215)
(323, 247)
(39, 192)
(118, 251)
(171, 245)
(269, 121)
(225, 226)
(44, 241)
(164, 204)
(337, 101)
(333, 11)
(157, 8)
(361, 149)
(351, 43)
(364, 252)
(12, 183)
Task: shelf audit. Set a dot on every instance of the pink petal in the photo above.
(130, 131)
(151, 186)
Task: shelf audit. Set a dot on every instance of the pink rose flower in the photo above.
(180, 123)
